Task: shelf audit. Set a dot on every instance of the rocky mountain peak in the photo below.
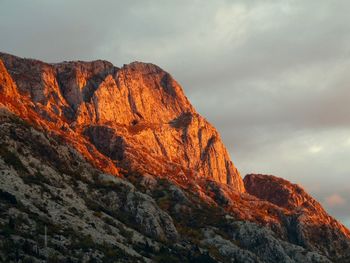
(308, 222)
(137, 110)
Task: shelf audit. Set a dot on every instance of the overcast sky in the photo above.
(272, 76)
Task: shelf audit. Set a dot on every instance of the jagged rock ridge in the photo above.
(139, 110)
(309, 224)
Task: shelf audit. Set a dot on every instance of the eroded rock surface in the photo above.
(308, 223)
(137, 110)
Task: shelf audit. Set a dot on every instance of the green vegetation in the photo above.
(9, 198)
(109, 221)
(114, 254)
(38, 178)
(98, 214)
(7, 230)
(164, 203)
(83, 242)
(128, 234)
(12, 159)
(167, 258)
(17, 120)
(195, 235)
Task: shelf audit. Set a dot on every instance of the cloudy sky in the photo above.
(272, 76)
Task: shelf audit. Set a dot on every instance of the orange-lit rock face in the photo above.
(291, 197)
(308, 222)
(280, 192)
(138, 116)
(7, 85)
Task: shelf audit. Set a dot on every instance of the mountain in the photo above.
(107, 164)
(136, 110)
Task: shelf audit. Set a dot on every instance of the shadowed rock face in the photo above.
(280, 192)
(137, 115)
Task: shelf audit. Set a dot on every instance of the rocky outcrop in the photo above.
(307, 223)
(137, 116)
(258, 244)
(280, 192)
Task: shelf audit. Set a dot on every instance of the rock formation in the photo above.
(119, 167)
(308, 223)
(138, 110)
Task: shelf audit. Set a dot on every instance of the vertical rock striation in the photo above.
(138, 115)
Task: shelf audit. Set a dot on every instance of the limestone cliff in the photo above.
(137, 115)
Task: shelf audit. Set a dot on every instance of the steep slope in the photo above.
(309, 224)
(91, 216)
(120, 168)
(138, 110)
